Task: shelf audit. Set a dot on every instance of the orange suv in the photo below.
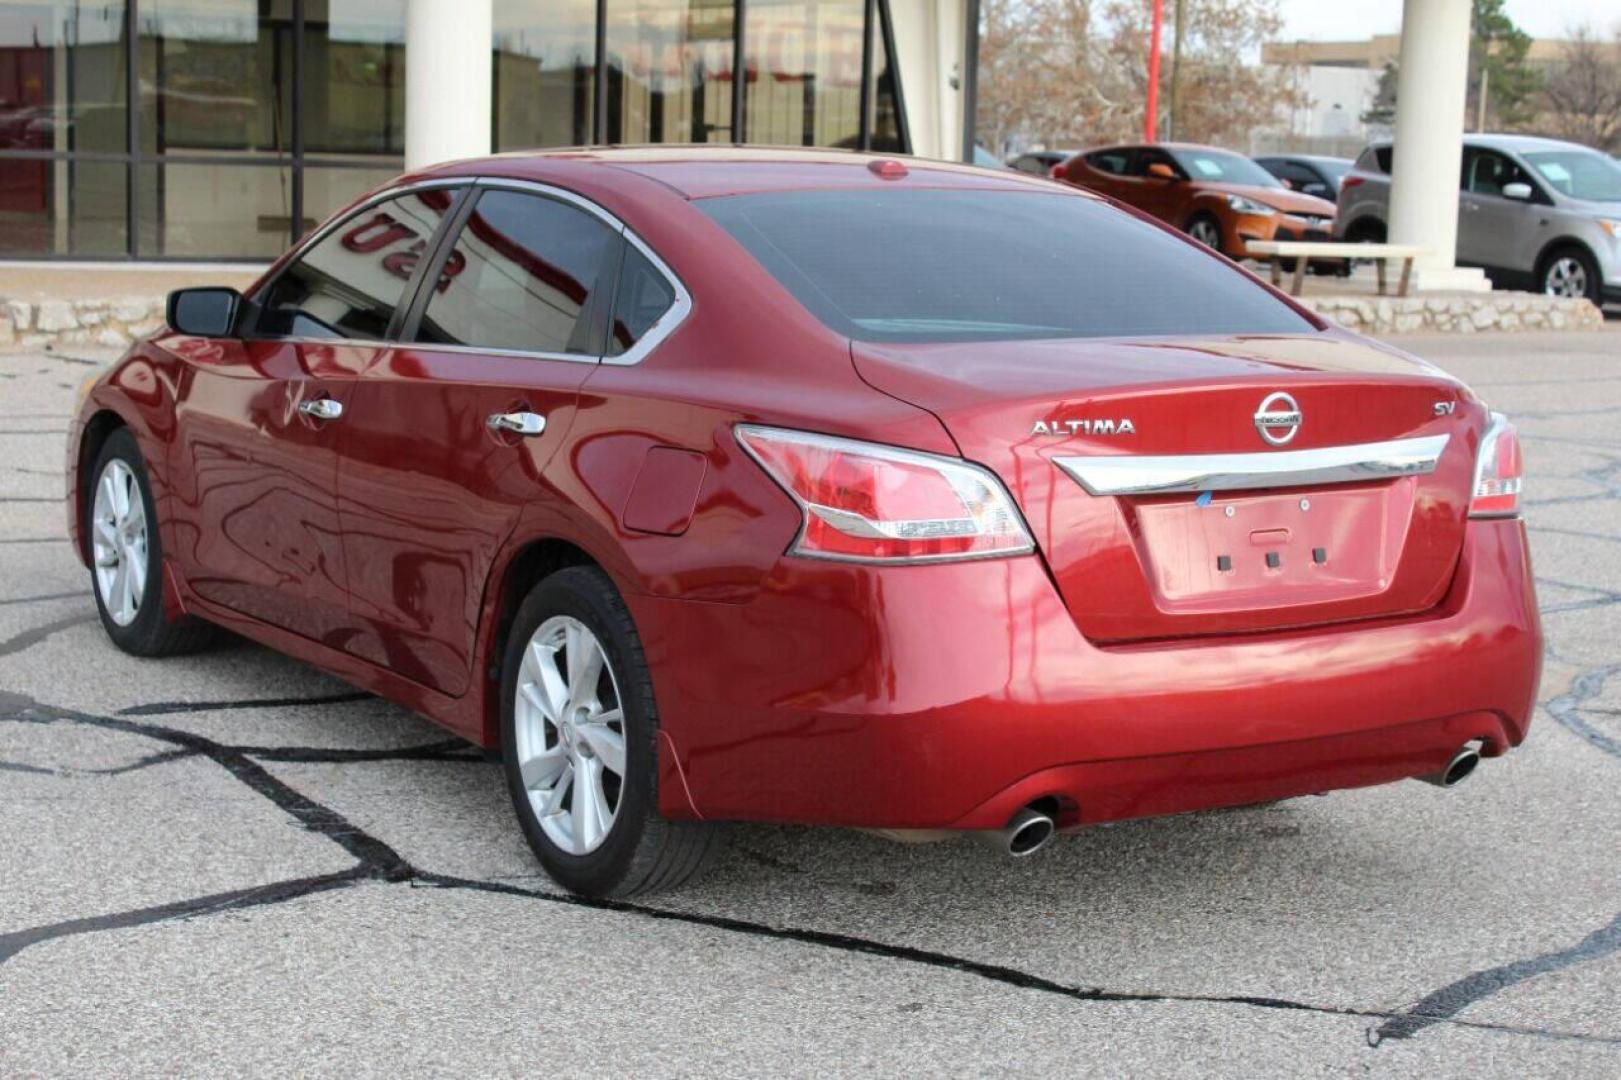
(1217, 197)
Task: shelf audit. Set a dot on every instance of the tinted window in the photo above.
(1030, 163)
(933, 265)
(520, 276)
(1148, 157)
(1109, 161)
(1581, 174)
(348, 284)
(1382, 156)
(641, 299)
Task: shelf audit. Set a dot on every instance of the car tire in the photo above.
(1205, 229)
(1570, 272)
(579, 733)
(126, 556)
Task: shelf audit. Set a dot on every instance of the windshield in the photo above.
(914, 265)
(1220, 166)
(1580, 174)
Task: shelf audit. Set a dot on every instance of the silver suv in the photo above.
(1533, 213)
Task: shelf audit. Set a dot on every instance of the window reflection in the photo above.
(804, 72)
(213, 211)
(215, 76)
(62, 208)
(354, 77)
(669, 71)
(62, 76)
(545, 68)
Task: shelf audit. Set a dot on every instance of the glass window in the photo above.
(1486, 171)
(214, 211)
(63, 208)
(520, 276)
(1109, 161)
(886, 107)
(935, 265)
(63, 70)
(1219, 166)
(1148, 156)
(216, 76)
(349, 283)
(669, 71)
(354, 77)
(328, 189)
(643, 296)
(545, 67)
(1580, 174)
(804, 72)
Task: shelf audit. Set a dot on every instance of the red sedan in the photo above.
(715, 485)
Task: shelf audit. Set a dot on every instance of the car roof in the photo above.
(698, 172)
(1506, 142)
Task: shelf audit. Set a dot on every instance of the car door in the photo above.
(451, 427)
(259, 421)
(1494, 230)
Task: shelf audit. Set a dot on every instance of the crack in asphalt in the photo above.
(42, 598)
(36, 634)
(377, 861)
(1567, 707)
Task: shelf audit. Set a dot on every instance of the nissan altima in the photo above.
(753, 485)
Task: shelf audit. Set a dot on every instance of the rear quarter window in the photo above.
(915, 265)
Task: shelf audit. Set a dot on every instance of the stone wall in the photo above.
(113, 323)
(1457, 313)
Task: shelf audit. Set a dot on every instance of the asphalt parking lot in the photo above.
(230, 863)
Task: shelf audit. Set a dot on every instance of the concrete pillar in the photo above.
(1430, 92)
(930, 39)
(447, 80)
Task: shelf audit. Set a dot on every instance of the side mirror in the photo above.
(1161, 171)
(210, 311)
(1519, 189)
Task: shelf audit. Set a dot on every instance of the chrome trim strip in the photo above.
(1148, 475)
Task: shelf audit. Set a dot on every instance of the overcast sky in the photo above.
(1322, 20)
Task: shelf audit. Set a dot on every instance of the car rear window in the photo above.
(936, 265)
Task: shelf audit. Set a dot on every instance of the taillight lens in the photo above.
(1498, 471)
(1350, 182)
(871, 503)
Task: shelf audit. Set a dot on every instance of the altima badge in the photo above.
(1278, 418)
(1064, 428)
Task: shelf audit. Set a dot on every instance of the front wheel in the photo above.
(580, 740)
(1206, 230)
(126, 556)
(1571, 272)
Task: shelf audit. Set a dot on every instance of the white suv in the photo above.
(1533, 213)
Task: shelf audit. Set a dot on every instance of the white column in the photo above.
(930, 39)
(1430, 92)
(447, 80)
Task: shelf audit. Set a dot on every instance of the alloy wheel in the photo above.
(570, 734)
(1566, 276)
(118, 542)
(1206, 232)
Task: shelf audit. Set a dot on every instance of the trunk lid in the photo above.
(1255, 545)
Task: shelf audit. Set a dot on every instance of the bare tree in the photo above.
(1582, 97)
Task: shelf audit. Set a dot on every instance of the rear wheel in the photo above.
(126, 556)
(1570, 272)
(1206, 230)
(580, 739)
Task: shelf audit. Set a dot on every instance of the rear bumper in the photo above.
(948, 696)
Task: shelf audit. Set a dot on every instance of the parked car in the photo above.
(1221, 199)
(1310, 174)
(715, 484)
(1534, 213)
(1040, 162)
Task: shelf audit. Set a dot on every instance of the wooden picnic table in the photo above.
(1303, 251)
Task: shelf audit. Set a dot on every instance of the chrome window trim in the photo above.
(1130, 474)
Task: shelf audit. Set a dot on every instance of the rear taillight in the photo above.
(1498, 471)
(1350, 182)
(872, 503)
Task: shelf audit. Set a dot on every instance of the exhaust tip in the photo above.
(1028, 833)
(1459, 769)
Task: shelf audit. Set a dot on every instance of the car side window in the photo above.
(1109, 161)
(349, 282)
(1486, 172)
(1150, 156)
(641, 299)
(521, 277)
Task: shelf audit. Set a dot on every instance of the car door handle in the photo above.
(519, 423)
(321, 408)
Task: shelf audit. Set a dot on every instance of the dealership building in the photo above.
(222, 129)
